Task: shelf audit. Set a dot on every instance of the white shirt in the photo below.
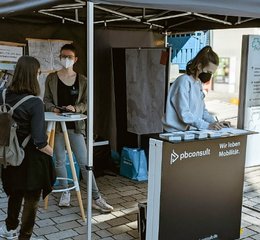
(185, 107)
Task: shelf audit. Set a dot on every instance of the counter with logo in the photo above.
(195, 188)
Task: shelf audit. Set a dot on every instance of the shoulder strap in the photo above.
(19, 102)
(4, 107)
(3, 95)
(22, 101)
(25, 141)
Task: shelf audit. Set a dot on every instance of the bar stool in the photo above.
(52, 118)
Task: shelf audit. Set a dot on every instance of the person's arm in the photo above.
(215, 126)
(81, 106)
(214, 123)
(48, 97)
(38, 131)
(180, 101)
(225, 124)
(71, 108)
(207, 116)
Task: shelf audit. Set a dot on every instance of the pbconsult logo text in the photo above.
(186, 155)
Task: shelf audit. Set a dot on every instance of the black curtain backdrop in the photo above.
(104, 112)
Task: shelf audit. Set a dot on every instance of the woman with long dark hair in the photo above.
(34, 176)
(185, 107)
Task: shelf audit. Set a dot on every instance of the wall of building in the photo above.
(227, 43)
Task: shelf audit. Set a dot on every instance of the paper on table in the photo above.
(233, 131)
(71, 115)
(170, 137)
(177, 136)
(222, 132)
(199, 134)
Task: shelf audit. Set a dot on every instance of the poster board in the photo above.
(249, 95)
(47, 52)
(145, 88)
(10, 52)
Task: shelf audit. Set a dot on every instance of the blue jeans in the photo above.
(78, 147)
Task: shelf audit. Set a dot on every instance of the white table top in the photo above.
(54, 117)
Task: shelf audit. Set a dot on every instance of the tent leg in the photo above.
(90, 77)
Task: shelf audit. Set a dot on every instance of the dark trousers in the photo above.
(31, 199)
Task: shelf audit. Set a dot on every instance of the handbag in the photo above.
(133, 164)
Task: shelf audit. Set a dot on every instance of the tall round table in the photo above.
(52, 118)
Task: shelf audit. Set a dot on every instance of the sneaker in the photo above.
(101, 205)
(12, 234)
(65, 199)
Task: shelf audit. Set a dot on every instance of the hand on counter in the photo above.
(225, 124)
(215, 126)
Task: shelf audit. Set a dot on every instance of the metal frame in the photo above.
(212, 19)
(128, 17)
(62, 18)
(144, 19)
(79, 4)
(239, 21)
(169, 17)
(180, 23)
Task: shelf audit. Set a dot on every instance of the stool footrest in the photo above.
(65, 189)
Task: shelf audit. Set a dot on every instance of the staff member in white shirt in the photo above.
(185, 107)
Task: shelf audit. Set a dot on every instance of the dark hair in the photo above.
(69, 47)
(203, 57)
(25, 76)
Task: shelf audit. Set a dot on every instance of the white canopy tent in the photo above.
(242, 8)
(237, 8)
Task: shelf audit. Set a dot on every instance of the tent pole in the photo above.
(90, 77)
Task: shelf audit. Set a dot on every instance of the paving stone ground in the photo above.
(251, 205)
(65, 223)
(57, 223)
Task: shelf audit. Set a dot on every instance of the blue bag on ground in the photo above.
(133, 164)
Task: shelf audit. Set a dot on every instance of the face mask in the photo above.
(65, 62)
(205, 76)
